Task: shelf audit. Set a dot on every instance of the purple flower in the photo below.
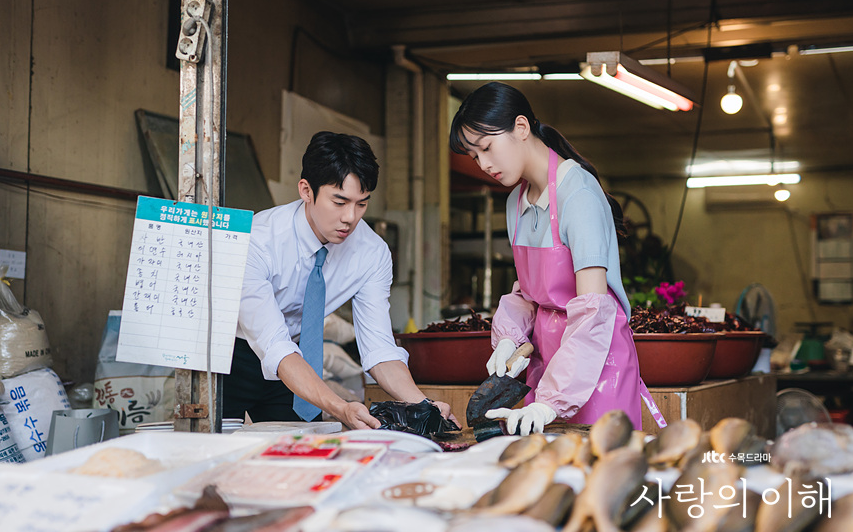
(670, 293)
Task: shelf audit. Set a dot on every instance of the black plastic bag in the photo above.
(422, 418)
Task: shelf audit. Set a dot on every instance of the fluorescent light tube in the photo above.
(741, 166)
(629, 90)
(827, 50)
(562, 76)
(620, 73)
(497, 76)
(736, 180)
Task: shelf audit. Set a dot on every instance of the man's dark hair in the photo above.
(331, 157)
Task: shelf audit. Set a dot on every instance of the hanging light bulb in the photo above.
(731, 102)
(782, 194)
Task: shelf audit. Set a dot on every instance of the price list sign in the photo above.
(165, 311)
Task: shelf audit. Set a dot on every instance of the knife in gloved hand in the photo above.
(498, 392)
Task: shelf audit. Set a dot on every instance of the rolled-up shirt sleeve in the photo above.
(372, 320)
(261, 320)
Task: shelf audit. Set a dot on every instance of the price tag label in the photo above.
(714, 315)
(16, 261)
(165, 310)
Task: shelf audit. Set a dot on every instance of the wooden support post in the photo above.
(202, 120)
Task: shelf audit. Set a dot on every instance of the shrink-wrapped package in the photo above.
(23, 339)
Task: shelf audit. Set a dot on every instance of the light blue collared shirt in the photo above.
(282, 253)
(586, 224)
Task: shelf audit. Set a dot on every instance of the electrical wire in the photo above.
(29, 142)
(800, 268)
(687, 29)
(694, 149)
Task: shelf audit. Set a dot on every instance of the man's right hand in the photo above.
(357, 416)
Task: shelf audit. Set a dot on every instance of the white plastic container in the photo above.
(182, 454)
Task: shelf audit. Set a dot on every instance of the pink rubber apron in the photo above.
(543, 278)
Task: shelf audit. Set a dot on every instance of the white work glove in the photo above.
(531, 418)
(497, 362)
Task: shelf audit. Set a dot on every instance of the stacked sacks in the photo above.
(32, 390)
(23, 339)
(28, 404)
(8, 448)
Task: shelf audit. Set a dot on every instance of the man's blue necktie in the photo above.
(311, 337)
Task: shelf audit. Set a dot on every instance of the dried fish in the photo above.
(645, 498)
(697, 453)
(824, 448)
(278, 520)
(524, 485)
(613, 479)
(673, 442)
(842, 517)
(583, 458)
(566, 446)
(521, 450)
(736, 521)
(716, 479)
(208, 509)
(473, 323)
(554, 506)
(637, 440)
(731, 435)
(672, 319)
(651, 521)
(611, 431)
(792, 516)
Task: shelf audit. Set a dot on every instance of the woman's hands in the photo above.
(531, 418)
(497, 362)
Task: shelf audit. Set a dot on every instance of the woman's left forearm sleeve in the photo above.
(574, 371)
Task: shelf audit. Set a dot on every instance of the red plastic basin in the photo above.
(671, 359)
(448, 357)
(735, 354)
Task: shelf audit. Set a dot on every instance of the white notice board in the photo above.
(164, 314)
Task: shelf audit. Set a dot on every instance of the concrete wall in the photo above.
(718, 253)
(93, 64)
(399, 113)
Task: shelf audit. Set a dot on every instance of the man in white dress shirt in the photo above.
(338, 174)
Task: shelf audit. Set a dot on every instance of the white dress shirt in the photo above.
(282, 252)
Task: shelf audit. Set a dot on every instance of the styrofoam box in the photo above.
(37, 500)
(182, 454)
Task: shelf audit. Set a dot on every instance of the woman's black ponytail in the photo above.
(557, 142)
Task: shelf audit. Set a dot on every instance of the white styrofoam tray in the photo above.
(37, 500)
(182, 454)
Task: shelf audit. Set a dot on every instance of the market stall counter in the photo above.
(752, 398)
(609, 476)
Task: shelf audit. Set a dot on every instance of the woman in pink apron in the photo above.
(572, 308)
